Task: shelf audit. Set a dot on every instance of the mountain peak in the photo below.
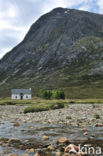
(61, 49)
(60, 9)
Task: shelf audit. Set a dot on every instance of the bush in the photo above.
(97, 116)
(35, 109)
(58, 94)
(71, 102)
(39, 108)
(60, 105)
(57, 105)
(55, 94)
(46, 94)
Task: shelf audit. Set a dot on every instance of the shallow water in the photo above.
(34, 132)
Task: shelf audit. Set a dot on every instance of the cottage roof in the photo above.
(19, 91)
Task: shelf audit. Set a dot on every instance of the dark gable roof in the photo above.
(19, 91)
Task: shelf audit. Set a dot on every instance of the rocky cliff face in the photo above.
(63, 46)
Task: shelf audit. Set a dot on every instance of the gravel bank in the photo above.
(74, 115)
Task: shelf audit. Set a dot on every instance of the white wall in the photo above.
(15, 96)
(26, 96)
(18, 97)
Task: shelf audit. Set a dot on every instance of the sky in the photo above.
(16, 16)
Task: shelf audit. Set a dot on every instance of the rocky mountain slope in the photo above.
(63, 49)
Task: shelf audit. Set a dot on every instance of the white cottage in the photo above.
(19, 94)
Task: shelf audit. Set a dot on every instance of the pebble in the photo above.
(45, 138)
(15, 154)
(6, 152)
(62, 140)
(31, 150)
(37, 154)
(84, 114)
(16, 124)
(51, 147)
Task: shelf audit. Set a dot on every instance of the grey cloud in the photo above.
(7, 40)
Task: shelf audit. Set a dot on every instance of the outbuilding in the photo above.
(20, 94)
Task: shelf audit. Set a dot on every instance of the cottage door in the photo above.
(21, 96)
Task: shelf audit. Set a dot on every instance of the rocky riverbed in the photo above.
(40, 133)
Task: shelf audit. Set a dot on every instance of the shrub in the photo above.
(97, 116)
(39, 108)
(60, 105)
(55, 94)
(46, 94)
(58, 94)
(95, 105)
(57, 105)
(71, 102)
(35, 109)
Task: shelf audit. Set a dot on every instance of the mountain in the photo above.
(62, 49)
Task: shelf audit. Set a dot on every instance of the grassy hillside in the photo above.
(79, 80)
(75, 87)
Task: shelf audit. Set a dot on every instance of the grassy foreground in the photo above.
(37, 104)
(8, 101)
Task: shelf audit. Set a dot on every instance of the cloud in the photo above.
(12, 11)
(100, 5)
(4, 51)
(63, 3)
(16, 16)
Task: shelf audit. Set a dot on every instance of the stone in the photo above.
(31, 150)
(24, 154)
(6, 152)
(85, 129)
(63, 140)
(3, 145)
(51, 130)
(37, 154)
(15, 154)
(99, 125)
(16, 124)
(85, 133)
(66, 154)
(49, 121)
(14, 140)
(58, 153)
(80, 154)
(51, 147)
(45, 138)
(93, 135)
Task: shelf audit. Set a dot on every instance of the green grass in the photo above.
(40, 101)
(38, 104)
(97, 116)
(43, 107)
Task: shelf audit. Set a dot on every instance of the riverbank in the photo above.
(72, 114)
(37, 131)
